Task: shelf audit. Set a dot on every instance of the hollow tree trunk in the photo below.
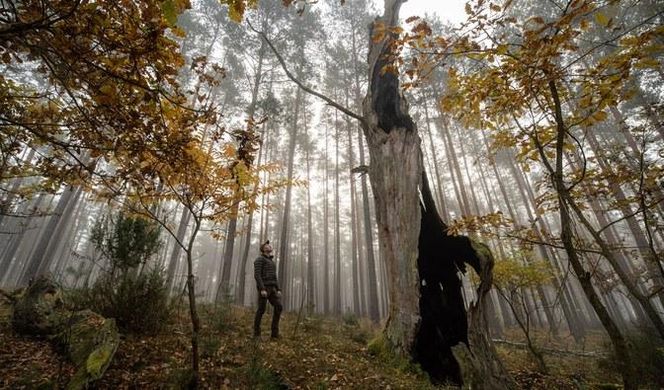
(395, 171)
(424, 320)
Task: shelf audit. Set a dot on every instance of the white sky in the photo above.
(451, 10)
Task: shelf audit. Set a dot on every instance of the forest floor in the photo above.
(317, 353)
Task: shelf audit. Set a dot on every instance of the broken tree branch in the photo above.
(551, 351)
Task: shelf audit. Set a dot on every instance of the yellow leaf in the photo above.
(647, 62)
(599, 116)
(378, 36)
(501, 49)
(168, 9)
(601, 19)
(107, 89)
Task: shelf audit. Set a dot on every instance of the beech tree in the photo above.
(112, 118)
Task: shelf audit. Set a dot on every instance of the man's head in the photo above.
(266, 248)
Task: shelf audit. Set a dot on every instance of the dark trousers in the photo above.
(275, 301)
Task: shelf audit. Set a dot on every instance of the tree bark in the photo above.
(426, 315)
(395, 171)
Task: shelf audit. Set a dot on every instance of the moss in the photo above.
(380, 347)
(100, 359)
(91, 342)
(481, 249)
(608, 386)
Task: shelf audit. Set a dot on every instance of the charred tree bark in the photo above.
(426, 317)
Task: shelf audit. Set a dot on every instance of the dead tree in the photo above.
(427, 321)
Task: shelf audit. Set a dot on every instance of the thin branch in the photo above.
(305, 88)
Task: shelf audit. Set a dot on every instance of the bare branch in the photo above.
(305, 88)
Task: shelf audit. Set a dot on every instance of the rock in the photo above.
(90, 343)
(38, 312)
(88, 339)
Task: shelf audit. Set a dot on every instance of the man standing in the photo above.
(265, 273)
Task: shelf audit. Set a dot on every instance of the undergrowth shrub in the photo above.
(139, 303)
(380, 347)
(350, 319)
(363, 331)
(312, 324)
(180, 378)
(209, 346)
(138, 300)
(221, 314)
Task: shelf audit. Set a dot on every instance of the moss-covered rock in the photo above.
(39, 310)
(88, 339)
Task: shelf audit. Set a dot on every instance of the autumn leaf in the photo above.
(601, 19)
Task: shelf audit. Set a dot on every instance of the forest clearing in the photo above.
(332, 194)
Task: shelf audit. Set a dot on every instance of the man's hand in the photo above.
(279, 294)
(264, 293)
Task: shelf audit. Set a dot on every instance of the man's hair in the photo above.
(263, 245)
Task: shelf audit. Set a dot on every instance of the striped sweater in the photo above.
(265, 273)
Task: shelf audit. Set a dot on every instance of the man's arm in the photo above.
(258, 272)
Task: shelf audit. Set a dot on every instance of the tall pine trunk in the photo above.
(285, 222)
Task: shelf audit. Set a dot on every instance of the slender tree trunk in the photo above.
(285, 223)
(653, 272)
(8, 261)
(453, 163)
(177, 249)
(326, 252)
(574, 320)
(337, 224)
(434, 157)
(193, 313)
(353, 218)
(620, 345)
(310, 242)
(38, 263)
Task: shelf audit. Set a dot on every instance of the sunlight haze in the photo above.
(450, 10)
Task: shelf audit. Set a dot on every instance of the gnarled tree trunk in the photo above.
(426, 316)
(395, 170)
